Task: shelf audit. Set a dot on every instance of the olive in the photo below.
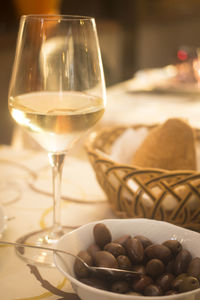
(155, 267)
(115, 249)
(170, 266)
(171, 292)
(86, 257)
(95, 282)
(134, 294)
(79, 268)
(135, 250)
(140, 284)
(124, 262)
(165, 281)
(144, 240)
(174, 245)
(105, 259)
(122, 239)
(188, 283)
(158, 251)
(182, 261)
(176, 282)
(120, 286)
(92, 249)
(194, 268)
(153, 290)
(102, 235)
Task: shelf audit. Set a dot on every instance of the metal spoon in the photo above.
(98, 271)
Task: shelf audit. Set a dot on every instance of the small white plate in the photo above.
(3, 224)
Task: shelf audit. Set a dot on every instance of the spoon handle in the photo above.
(36, 247)
(98, 270)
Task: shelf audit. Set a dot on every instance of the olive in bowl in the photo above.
(156, 283)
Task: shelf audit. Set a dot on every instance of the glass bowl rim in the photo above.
(57, 17)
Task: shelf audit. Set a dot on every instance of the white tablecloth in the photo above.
(129, 105)
(25, 194)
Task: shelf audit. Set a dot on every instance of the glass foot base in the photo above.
(43, 238)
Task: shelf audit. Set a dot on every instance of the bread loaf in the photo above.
(169, 146)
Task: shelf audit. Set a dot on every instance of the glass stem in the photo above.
(57, 162)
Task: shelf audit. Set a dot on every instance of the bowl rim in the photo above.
(123, 296)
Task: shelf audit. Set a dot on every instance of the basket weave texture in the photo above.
(172, 196)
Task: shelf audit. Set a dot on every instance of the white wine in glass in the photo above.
(57, 92)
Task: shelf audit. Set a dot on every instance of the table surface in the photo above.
(26, 181)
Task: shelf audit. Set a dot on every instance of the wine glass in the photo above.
(57, 92)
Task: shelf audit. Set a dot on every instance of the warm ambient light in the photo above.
(182, 55)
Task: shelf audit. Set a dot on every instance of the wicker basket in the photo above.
(182, 188)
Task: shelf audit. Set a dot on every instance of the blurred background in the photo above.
(133, 34)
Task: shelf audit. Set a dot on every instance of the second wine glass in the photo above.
(57, 92)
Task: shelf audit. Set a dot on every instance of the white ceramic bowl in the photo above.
(158, 231)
